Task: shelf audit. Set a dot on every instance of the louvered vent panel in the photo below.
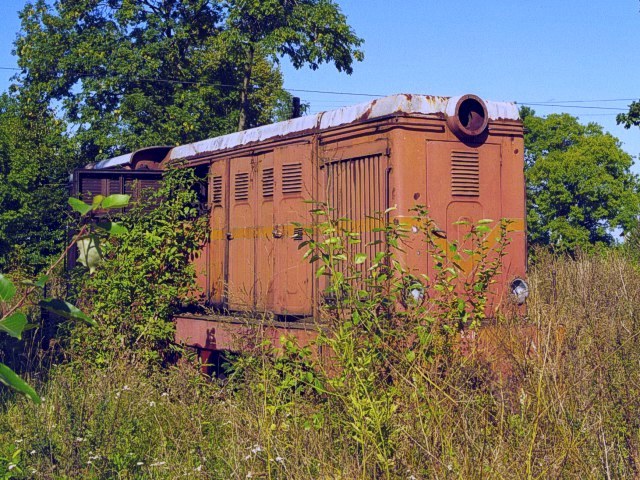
(357, 192)
(465, 173)
(267, 182)
(292, 178)
(242, 187)
(128, 186)
(217, 191)
(114, 185)
(90, 188)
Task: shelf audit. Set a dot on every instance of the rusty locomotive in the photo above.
(462, 157)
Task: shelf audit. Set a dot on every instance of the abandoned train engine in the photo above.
(462, 157)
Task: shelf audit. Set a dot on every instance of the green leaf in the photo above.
(97, 200)
(113, 228)
(89, 252)
(320, 270)
(14, 324)
(66, 310)
(10, 379)
(360, 258)
(41, 281)
(7, 289)
(116, 201)
(79, 206)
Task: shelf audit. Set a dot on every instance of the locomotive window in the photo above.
(267, 182)
(242, 187)
(292, 178)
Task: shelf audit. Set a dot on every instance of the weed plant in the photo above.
(399, 398)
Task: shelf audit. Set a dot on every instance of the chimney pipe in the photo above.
(296, 107)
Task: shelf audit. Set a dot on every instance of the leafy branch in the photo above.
(14, 321)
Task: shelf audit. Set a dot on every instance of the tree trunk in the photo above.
(244, 93)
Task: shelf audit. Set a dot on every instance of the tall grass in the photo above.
(567, 406)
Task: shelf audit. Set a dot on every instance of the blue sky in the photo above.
(527, 51)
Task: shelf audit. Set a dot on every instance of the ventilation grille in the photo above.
(465, 173)
(90, 188)
(242, 187)
(292, 178)
(267, 182)
(357, 191)
(114, 186)
(217, 191)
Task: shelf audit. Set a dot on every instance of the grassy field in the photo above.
(568, 408)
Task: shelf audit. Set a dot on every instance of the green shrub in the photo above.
(146, 275)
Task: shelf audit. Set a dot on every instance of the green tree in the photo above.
(133, 73)
(308, 32)
(35, 160)
(579, 184)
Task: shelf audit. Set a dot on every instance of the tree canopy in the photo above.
(35, 161)
(308, 32)
(579, 184)
(133, 73)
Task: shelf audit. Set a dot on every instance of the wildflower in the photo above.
(32, 452)
(198, 468)
(140, 463)
(117, 394)
(12, 466)
(279, 459)
(152, 403)
(89, 462)
(247, 457)
(256, 449)
(164, 394)
(79, 439)
(125, 388)
(249, 475)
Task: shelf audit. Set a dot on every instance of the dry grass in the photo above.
(569, 408)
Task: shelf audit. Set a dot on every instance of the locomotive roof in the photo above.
(378, 108)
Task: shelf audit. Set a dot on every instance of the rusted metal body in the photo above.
(462, 157)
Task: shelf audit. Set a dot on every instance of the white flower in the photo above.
(126, 387)
(249, 475)
(279, 459)
(89, 462)
(247, 457)
(117, 394)
(79, 439)
(140, 463)
(164, 394)
(198, 468)
(32, 452)
(12, 466)
(256, 449)
(152, 403)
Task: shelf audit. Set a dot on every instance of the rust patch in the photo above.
(367, 112)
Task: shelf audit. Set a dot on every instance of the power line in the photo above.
(572, 106)
(557, 104)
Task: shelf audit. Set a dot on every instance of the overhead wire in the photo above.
(552, 103)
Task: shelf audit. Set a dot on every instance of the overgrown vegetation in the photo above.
(554, 396)
(145, 276)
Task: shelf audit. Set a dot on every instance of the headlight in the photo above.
(519, 290)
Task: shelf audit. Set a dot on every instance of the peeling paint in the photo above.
(393, 104)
